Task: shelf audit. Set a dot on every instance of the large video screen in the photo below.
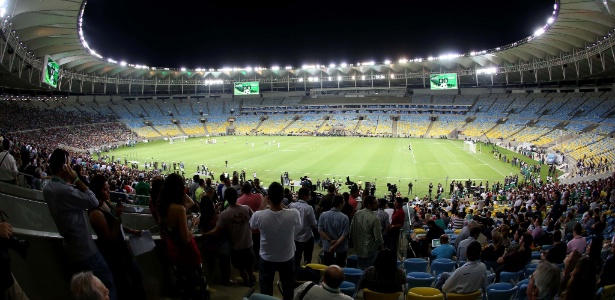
(246, 88)
(443, 81)
(51, 72)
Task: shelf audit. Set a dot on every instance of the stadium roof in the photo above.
(576, 45)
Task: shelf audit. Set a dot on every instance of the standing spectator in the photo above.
(254, 201)
(183, 252)
(304, 237)
(366, 233)
(235, 222)
(397, 222)
(67, 197)
(141, 190)
(200, 190)
(277, 226)
(385, 220)
(193, 186)
(107, 224)
(334, 227)
(8, 166)
(326, 201)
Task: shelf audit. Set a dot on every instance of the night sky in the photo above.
(205, 34)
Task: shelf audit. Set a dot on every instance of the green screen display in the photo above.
(51, 72)
(443, 81)
(246, 88)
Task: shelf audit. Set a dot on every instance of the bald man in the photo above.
(328, 289)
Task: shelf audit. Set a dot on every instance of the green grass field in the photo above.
(380, 160)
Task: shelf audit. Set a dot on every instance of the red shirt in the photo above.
(398, 217)
(352, 201)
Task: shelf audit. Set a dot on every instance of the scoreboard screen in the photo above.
(443, 81)
(51, 71)
(246, 88)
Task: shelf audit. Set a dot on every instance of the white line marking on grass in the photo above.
(449, 151)
(476, 156)
(412, 152)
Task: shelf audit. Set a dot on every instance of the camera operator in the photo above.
(9, 288)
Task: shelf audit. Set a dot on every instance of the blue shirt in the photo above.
(335, 224)
(443, 251)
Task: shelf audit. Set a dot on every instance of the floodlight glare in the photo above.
(275, 68)
(339, 78)
(550, 20)
(362, 77)
(288, 68)
(331, 65)
(386, 61)
(2, 12)
(343, 65)
(403, 61)
(330, 78)
(183, 69)
(539, 32)
(123, 63)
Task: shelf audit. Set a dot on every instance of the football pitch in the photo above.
(380, 160)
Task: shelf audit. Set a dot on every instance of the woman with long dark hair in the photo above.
(183, 252)
(582, 281)
(384, 276)
(107, 223)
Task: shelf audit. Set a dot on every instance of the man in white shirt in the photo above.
(277, 226)
(304, 238)
(329, 288)
(8, 167)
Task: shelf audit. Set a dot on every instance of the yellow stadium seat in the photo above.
(472, 296)
(371, 295)
(424, 293)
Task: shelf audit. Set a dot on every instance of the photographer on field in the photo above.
(9, 288)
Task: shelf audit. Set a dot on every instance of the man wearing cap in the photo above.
(142, 191)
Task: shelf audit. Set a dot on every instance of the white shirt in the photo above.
(277, 230)
(8, 168)
(308, 220)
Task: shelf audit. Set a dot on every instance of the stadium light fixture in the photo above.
(339, 78)
(430, 58)
(539, 32)
(2, 11)
(368, 63)
(288, 68)
(491, 70)
(362, 77)
(183, 69)
(123, 63)
(248, 69)
(330, 78)
(331, 65)
(343, 65)
(386, 62)
(550, 20)
(403, 61)
(275, 68)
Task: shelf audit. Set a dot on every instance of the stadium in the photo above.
(525, 118)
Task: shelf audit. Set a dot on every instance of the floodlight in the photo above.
(539, 32)
(288, 67)
(362, 77)
(550, 20)
(386, 61)
(331, 65)
(343, 65)
(275, 68)
(403, 61)
(249, 69)
(339, 78)
(123, 63)
(2, 12)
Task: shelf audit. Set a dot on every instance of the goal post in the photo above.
(469, 147)
(181, 138)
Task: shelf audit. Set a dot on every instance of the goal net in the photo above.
(181, 138)
(469, 146)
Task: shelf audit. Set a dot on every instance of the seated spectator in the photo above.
(578, 242)
(495, 250)
(516, 261)
(467, 279)
(570, 262)
(383, 276)
(557, 253)
(544, 282)
(461, 249)
(445, 250)
(86, 286)
(582, 281)
(434, 232)
(328, 289)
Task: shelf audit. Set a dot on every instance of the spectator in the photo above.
(326, 202)
(516, 261)
(383, 217)
(66, 204)
(544, 282)
(461, 250)
(153, 197)
(329, 289)
(216, 248)
(9, 287)
(445, 250)
(8, 166)
(582, 281)
(578, 242)
(195, 185)
(366, 233)
(557, 253)
(384, 276)
(304, 238)
(570, 262)
(607, 276)
(86, 286)
(467, 279)
(254, 201)
(235, 222)
(495, 250)
(277, 226)
(183, 253)
(397, 221)
(107, 224)
(334, 227)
